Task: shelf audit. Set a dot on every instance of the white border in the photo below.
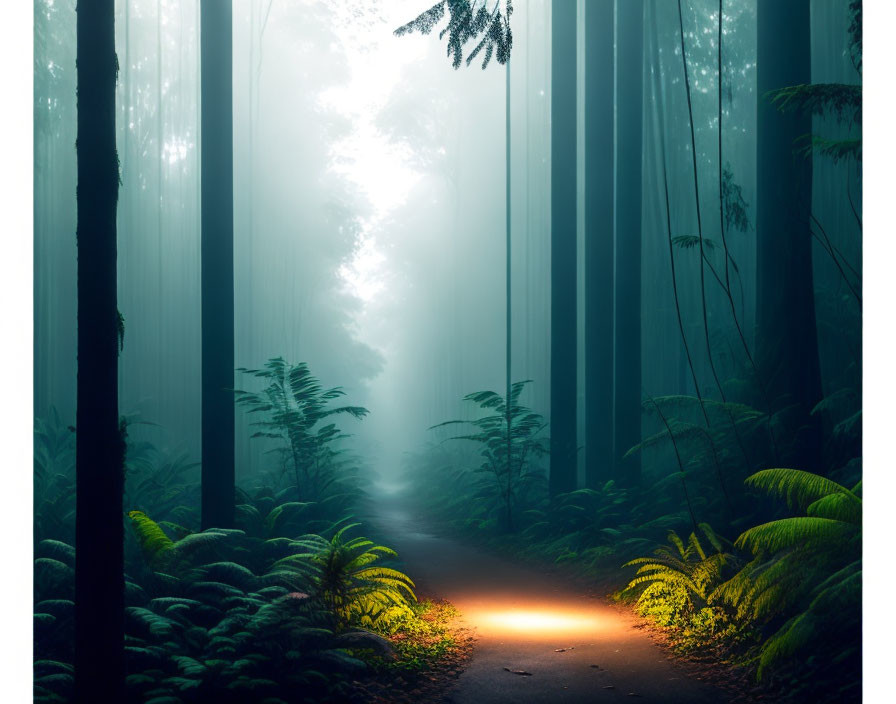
(879, 339)
(16, 293)
(16, 356)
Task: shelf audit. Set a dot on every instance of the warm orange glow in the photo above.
(536, 622)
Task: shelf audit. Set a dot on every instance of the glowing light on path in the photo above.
(536, 622)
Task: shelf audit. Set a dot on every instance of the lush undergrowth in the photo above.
(290, 605)
(428, 650)
(772, 588)
(784, 599)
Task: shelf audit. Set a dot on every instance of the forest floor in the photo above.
(538, 637)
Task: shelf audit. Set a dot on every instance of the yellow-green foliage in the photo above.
(162, 553)
(354, 588)
(679, 581)
(425, 636)
(798, 488)
(805, 567)
(152, 539)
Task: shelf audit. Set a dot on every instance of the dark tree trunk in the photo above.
(99, 539)
(216, 132)
(599, 217)
(787, 342)
(563, 247)
(629, 108)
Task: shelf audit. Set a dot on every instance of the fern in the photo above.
(468, 20)
(676, 584)
(295, 407)
(692, 241)
(805, 567)
(796, 487)
(348, 581)
(509, 440)
(842, 507)
(163, 554)
(834, 149)
(789, 533)
(57, 550)
(836, 599)
(152, 539)
(839, 99)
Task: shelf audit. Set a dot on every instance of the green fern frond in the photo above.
(678, 580)
(834, 149)
(797, 487)
(846, 507)
(840, 99)
(836, 400)
(691, 241)
(152, 539)
(712, 537)
(57, 550)
(837, 600)
(802, 531)
(678, 430)
(230, 573)
(850, 427)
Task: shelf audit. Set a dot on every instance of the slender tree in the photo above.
(787, 341)
(629, 144)
(599, 219)
(466, 24)
(216, 130)
(508, 296)
(99, 539)
(160, 210)
(563, 247)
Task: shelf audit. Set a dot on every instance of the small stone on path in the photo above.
(518, 672)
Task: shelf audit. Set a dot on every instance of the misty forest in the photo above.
(478, 351)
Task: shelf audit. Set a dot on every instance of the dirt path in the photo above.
(522, 618)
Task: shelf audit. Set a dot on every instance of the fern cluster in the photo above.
(509, 439)
(54, 479)
(588, 530)
(354, 588)
(804, 568)
(791, 586)
(677, 587)
(295, 412)
(223, 615)
(841, 101)
(468, 20)
(255, 612)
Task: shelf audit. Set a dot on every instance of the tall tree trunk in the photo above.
(99, 540)
(563, 247)
(787, 342)
(629, 107)
(216, 130)
(599, 219)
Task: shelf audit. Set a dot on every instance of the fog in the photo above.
(370, 209)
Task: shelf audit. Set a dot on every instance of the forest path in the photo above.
(521, 617)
